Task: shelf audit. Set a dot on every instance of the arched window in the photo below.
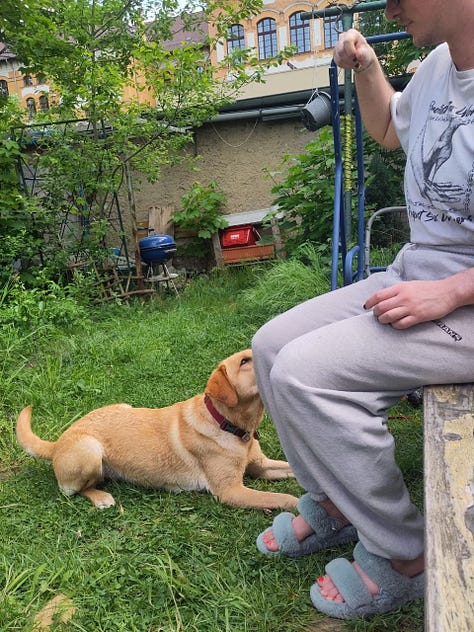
(267, 38)
(332, 28)
(27, 80)
(3, 88)
(299, 33)
(43, 103)
(235, 37)
(31, 105)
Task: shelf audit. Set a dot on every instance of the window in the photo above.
(3, 88)
(31, 105)
(332, 28)
(43, 103)
(235, 38)
(27, 80)
(299, 33)
(267, 39)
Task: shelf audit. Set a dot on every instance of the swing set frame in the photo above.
(348, 263)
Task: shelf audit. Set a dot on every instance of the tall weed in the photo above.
(30, 321)
(287, 283)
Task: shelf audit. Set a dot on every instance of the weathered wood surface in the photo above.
(449, 507)
(160, 220)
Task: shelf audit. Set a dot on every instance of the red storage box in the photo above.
(239, 236)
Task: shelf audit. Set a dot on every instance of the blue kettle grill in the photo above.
(155, 251)
(157, 248)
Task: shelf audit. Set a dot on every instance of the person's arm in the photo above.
(413, 302)
(373, 90)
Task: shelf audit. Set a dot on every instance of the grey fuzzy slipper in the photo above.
(395, 589)
(328, 531)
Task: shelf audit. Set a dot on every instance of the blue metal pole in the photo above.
(338, 213)
(360, 192)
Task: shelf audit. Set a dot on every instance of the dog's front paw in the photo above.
(105, 502)
(99, 498)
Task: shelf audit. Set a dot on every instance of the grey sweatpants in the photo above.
(328, 371)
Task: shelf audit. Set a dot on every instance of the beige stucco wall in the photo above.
(236, 155)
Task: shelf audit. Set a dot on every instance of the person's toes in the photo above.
(269, 540)
(300, 528)
(329, 590)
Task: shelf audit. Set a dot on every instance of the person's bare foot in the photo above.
(301, 528)
(410, 568)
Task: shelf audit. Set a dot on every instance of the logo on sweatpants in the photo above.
(444, 327)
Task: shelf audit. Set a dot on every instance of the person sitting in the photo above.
(329, 369)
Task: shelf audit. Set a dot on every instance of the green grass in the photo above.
(157, 562)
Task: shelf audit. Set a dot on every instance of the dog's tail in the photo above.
(29, 441)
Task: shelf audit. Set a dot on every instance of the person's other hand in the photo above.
(410, 303)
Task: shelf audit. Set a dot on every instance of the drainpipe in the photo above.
(257, 113)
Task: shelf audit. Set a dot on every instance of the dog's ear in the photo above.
(220, 387)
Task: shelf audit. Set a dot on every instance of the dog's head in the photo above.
(233, 381)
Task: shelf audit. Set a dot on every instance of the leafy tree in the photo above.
(22, 220)
(90, 51)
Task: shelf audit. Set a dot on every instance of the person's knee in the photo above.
(263, 342)
(297, 367)
(284, 373)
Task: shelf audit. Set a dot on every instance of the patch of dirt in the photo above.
(59, 610)
(329, 625)
(7, 472)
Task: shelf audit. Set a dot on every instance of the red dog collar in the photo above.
(225, 424)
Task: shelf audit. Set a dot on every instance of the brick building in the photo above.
(33, 92)
(277, 26)
(248, 139)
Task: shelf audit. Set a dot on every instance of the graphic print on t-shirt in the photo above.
(444, 182)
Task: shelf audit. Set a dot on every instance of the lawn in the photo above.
(156, 562)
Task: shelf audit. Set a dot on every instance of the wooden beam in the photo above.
(449, 507)
(216, 244)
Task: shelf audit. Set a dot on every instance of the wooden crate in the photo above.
(248, 253)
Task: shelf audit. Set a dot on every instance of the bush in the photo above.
(305, 197)
(29, 309)
(201, 215)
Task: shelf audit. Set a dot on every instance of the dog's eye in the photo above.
(244, 361)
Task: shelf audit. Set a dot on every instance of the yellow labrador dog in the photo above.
(206, 443)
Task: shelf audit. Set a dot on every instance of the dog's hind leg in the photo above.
(78, 468)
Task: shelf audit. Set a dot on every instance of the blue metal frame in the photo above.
(339, 237)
